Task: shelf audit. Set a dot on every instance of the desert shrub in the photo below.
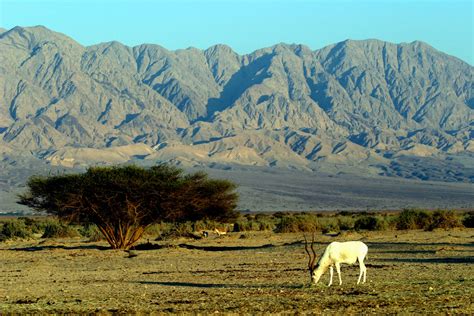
(265, 224)
(328, 224)
(59, 230)
(282, 214)
(330, 227)
(444, 219)
(205, 225)
(391, 221)
(14, 229)
(413, 219)
(246, 225)
(345, 213)
(91, 232)
(468, 220)
(262, 217)
(176, 230)
(183, 229)
(298, 223)
(33, 225)
(257, 222)
(159, 229)
(365, 222)
(370, 223)
(345, 223)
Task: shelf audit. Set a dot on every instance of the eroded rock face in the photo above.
(357, 104)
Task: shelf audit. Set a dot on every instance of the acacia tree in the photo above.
(124, 201)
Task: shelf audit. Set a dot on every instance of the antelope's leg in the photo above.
(365, 270)
(362, 271)
(338, 269)
(331, 271)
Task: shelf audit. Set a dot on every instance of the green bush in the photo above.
(345, 223)
(159, 229)
(444, 219)
(59, 230)
(176, 230)
(258, 222)
(298, 223)
(328, 224)
(204, 225)
(413, 219)
(14, 229)
(91, 232)
(468, 220)
(282, 214)
(262, 217)
(330, 227)
(35, 226)
(345, 213)
(246, 225)
(370, 223)
(266, 225)
(183, 229)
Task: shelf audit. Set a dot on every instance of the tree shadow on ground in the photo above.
(407, 251)
(225, 248)
(228, 270)
(414, 244)
(430, 260)
(50, 247)
(223, 286)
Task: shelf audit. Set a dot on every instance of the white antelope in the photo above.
(336, 253)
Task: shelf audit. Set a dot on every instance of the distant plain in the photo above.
(274, 189)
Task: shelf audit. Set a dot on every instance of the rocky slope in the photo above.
(367, 107)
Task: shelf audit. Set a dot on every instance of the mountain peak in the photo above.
(220, 48)
(33, 35)
(295, 48)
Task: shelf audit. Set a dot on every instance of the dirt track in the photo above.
(409, 272)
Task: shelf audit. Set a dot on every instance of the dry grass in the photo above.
(408, 272)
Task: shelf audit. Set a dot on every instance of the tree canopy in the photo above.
(124, 201)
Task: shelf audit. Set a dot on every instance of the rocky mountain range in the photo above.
(367, 107)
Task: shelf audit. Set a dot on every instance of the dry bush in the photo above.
(444, 219)
(59, 230)
(91, 232)
(413, 219)
(345, 222)
(13, 229)
(298, 223)
(246, 225)
(370, 223)
(468, 220)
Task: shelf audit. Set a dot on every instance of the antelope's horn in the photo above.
(312, 249)
(311, 260)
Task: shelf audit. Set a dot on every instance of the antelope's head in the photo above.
(312, 258)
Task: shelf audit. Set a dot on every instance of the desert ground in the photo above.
(409, 272)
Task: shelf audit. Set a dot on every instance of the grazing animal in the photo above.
(220, 232)
(336, 253)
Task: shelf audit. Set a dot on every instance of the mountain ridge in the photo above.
(354, 105)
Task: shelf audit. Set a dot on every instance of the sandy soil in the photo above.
(407, 272)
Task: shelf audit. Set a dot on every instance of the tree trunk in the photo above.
(122, 237)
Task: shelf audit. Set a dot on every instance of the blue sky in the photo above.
(247, 25)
